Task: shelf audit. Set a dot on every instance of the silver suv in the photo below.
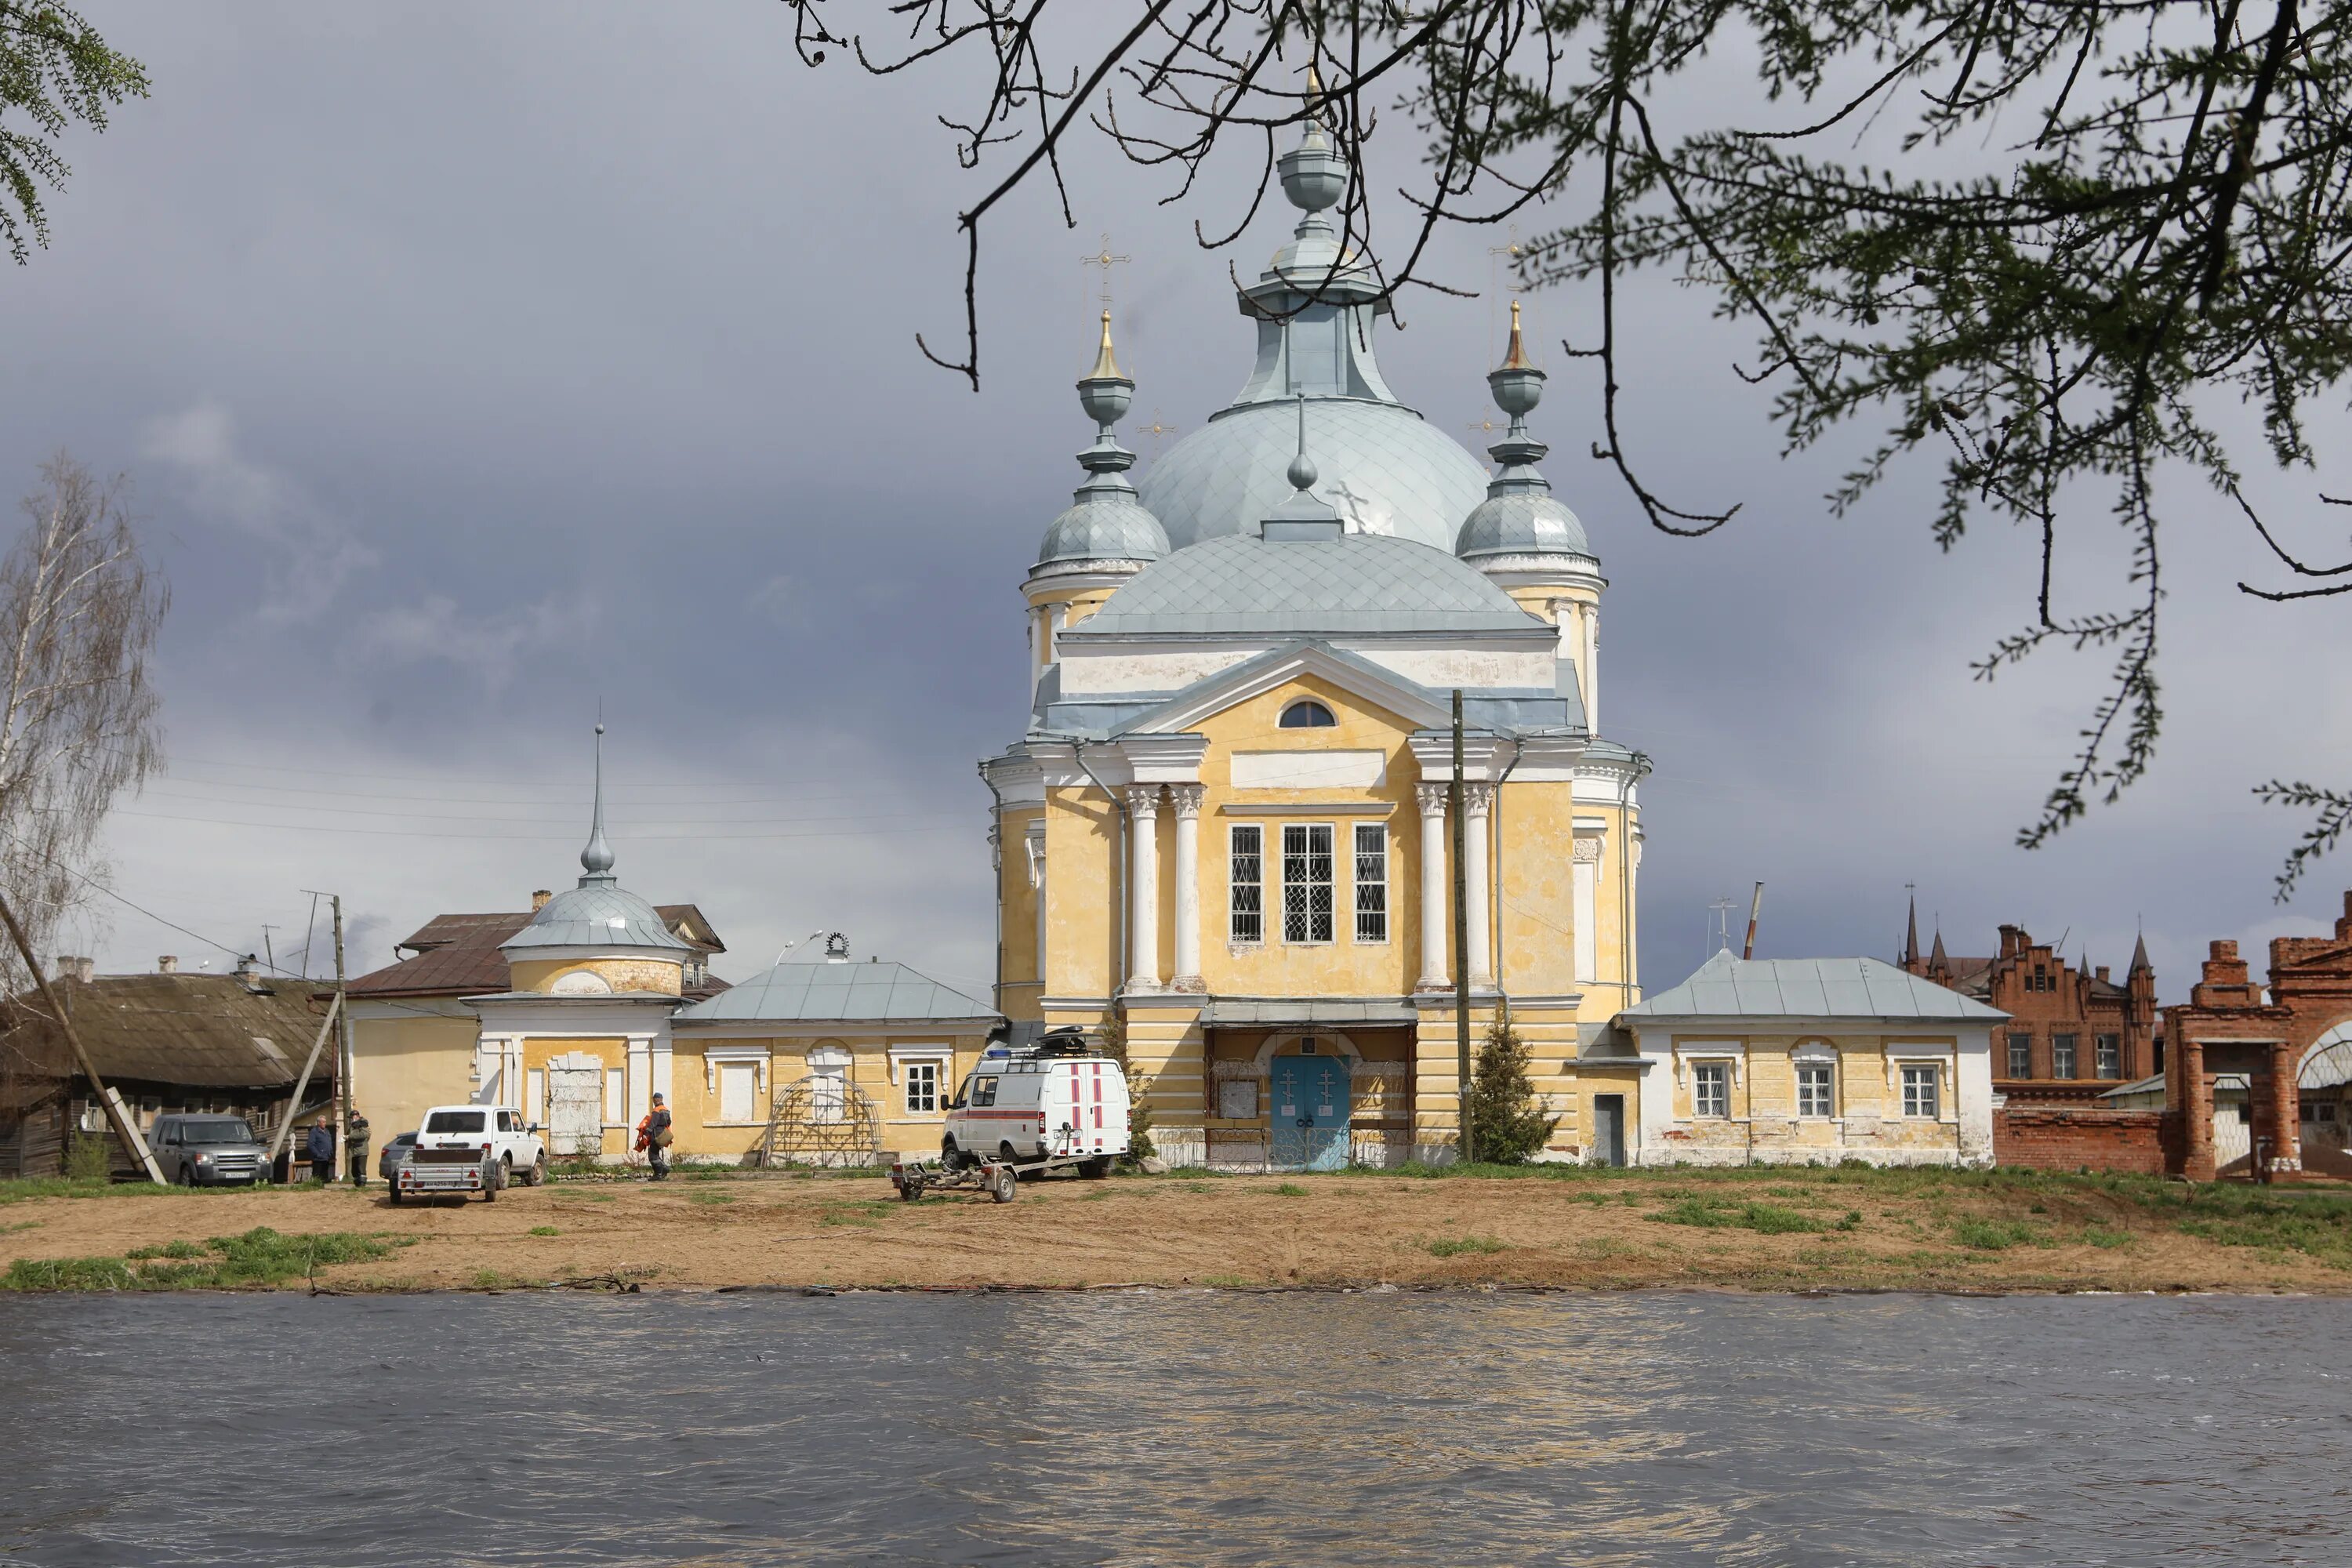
(206, 1151)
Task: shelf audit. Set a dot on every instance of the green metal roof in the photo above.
(1859, 988)
(836, 991)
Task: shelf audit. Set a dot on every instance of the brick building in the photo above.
(2258, 1074)
(2073, 1035)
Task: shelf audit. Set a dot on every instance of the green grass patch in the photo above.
(258, 1257)
(544, 1230)
(1997, 1234)
(1718, 1214)
(1227, 1281)
(711, 1197)
(1456, 1245)
(2320, 1229)
(1290, 1190)
(2099, 1235)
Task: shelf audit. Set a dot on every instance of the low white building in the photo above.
(1808, 1060)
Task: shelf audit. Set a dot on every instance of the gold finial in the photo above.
(1518, 358)
(1105, 367)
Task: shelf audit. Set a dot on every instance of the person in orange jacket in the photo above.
(654, 1138)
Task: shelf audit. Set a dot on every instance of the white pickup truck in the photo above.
(471, 1148)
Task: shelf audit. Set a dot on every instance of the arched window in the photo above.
(1308, 715)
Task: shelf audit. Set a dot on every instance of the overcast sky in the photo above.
(477, 365)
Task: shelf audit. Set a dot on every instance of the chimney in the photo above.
(248, 968)
(538, 899)
(167, 964)
(85, 969)
(2101, 973)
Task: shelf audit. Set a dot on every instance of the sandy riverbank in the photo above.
(1742, 1230)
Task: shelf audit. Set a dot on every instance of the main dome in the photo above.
(1318, 306)
(1384, 469)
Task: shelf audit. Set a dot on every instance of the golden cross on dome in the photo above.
(1158, 430)
(1106, 261)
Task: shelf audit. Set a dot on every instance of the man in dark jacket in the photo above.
(658, 1138)
(321, 1148)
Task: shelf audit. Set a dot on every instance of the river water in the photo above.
(1175, 1428)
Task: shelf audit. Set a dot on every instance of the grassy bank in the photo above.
(1759, 1229)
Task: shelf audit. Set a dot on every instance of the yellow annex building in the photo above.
(1227, 828)
(581, 1011)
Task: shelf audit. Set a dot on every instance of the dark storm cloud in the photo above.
(479, 365)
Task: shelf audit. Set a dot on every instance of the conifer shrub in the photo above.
(1508, 1122)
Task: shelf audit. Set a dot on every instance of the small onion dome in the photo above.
(1520, 516)
(1108, 521)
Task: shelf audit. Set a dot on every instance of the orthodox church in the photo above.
(1226, 830)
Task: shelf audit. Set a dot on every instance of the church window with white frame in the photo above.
(1371, 882)
(1921, 1096)
(1305, 714)
(922, 1088)
(1245, 923)
(1307, 882)
(1815, 1097)
(1711, 1089)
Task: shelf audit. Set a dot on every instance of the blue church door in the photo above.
(1309, 1114)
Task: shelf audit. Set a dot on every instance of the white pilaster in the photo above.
(1186, 798)
(657, 1051)
(1431, 798)
(1035, 840)
(1592, 667)
(641, 1076)
(1478, 800)
(1143, 915)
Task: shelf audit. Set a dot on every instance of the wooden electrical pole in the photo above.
(135, 1145)
(1456, 801)
(342, 1049)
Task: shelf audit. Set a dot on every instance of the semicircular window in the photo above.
(1308, 715)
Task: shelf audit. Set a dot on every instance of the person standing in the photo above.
(656, 1129)
(321, 1149)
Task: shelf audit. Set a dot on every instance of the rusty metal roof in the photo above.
(458, 954)
(209, 1030)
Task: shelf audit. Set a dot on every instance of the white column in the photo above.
(1186, 798)
(1587, 908)
(1036, 841)
(641, 1078)
(1430, 797)
(1478, 800)
(1592, 667)
(1143, 917)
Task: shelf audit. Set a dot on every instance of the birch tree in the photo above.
(79, 610)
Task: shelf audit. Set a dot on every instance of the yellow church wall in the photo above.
(1344, 966)
(404, 1065)
(609, 1052)
(1534, 879)
(1608, 993)
(1083, 868)
(664, 975)
(1023, 988)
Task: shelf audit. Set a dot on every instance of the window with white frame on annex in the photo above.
(1814, 1094)
(2108, 1053)
(922, 1088)
(2021, 1056)
(1245, 924)
(1922, 1094)
(1372, 881)
(1307, 881)
(2061, 1056)
(1711, 1088)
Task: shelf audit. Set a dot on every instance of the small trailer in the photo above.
(432, 1172)
(1000, 1179)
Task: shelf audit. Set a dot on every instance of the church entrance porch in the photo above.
(1306, 1099)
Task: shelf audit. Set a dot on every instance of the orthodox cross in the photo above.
(1158, 430)
(1509, 254)
(1106, 261)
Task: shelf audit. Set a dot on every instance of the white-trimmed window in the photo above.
(2061, 1056)
(1372, 881)
(1307, 882)
(923, 1087)
(1816, 1094)
(2110, 1050)
(1711, 1088)
(1245, 924)
(1921, 1096)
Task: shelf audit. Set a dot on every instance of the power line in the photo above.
(524, 821)
(945, 826)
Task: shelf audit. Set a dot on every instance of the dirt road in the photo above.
(1830, 1230)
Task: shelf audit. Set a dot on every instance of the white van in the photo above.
(1058, 1100)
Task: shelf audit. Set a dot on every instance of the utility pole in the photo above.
(112, 1102)
(1461, 944)
(1755, 910)
(342, 1049)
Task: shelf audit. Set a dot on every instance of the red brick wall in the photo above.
(2062, 1138)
